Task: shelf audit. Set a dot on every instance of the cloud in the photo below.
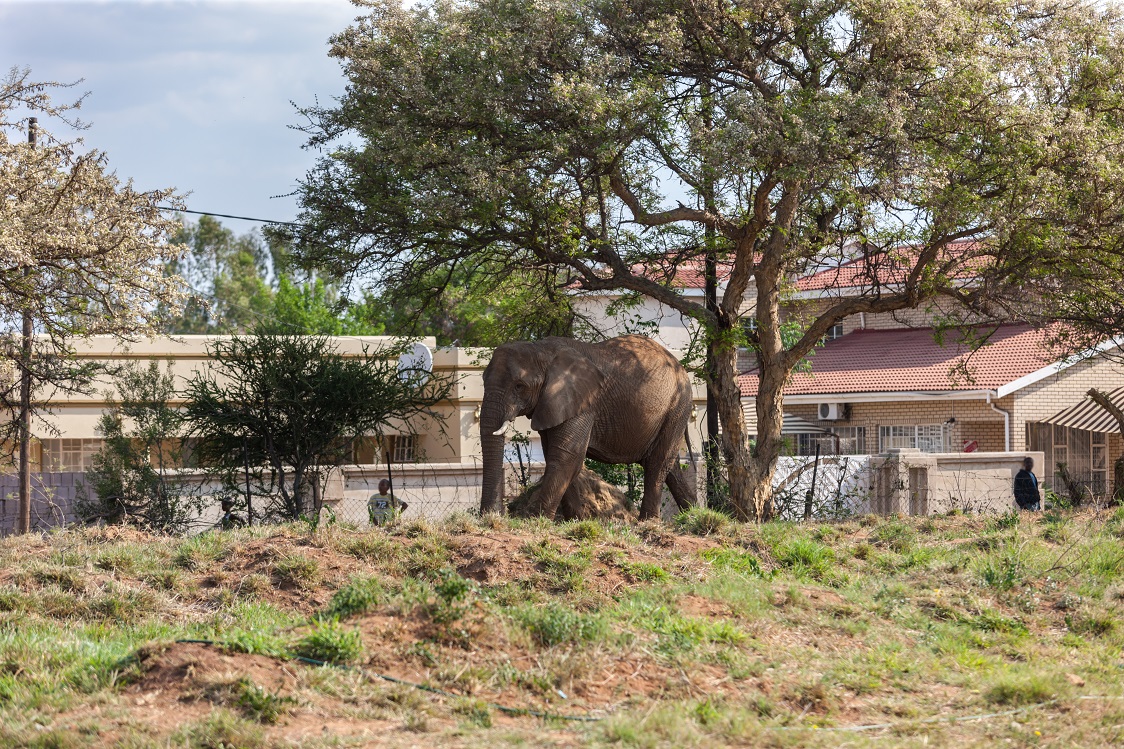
(191, 94)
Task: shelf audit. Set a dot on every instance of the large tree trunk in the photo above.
(491, 493)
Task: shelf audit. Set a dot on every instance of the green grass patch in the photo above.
(328, 641)
(556, 624)
(357, 597)
(735, 560)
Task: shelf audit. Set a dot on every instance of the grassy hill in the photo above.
(878, 631)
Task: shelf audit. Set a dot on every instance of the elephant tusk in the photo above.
(503, 428)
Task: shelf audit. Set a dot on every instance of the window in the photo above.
(928, 438)
(402, 448)
(835, 331)
(69, 454)
(837, 441)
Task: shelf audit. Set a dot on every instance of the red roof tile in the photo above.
(882, 270)
(902, 360)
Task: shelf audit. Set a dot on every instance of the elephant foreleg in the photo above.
(564, 448)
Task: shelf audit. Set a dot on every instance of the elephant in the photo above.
(622, 400)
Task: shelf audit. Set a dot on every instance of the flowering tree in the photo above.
(615, 142)
(81, 252)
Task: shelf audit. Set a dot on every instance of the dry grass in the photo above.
(718, 635)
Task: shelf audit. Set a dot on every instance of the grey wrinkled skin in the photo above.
(624, 400)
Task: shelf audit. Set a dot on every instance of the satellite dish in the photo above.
(416, 363)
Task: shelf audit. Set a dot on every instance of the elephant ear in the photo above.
(572, 384)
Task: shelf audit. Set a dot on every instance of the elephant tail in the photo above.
(690, 450)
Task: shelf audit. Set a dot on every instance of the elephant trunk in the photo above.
(492, 420)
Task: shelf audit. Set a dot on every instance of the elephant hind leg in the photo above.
(659, 467)
(679, 482)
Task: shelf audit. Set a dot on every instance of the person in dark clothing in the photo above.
(1026, 487)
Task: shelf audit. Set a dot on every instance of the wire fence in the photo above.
(829, 488)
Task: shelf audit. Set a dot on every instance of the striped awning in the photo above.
(795, 425)
(1088, 415)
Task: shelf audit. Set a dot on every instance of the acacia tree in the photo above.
(614, 141)
(81, 252)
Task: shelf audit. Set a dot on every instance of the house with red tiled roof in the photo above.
(996, 389)
(889, 380)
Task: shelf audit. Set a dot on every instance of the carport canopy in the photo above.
(1088, 416)
(795, 425)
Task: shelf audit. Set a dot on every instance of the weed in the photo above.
(1002, 571)
(701, 521)
(426, 557)
(1003, 522)
(65, 578)
(256, 642)
(254, 584)
(1090, 624)
(555, 624)
(199, 551)
(329, 642)
(297, 570)
(991, 621)
(357, 597)
(735, 560)
(460, 523)
(450, 604)
(165, 579)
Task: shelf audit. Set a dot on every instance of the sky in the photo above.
(193, 95)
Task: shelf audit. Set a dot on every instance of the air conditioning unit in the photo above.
(833, 411)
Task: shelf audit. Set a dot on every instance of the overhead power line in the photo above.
(227, 215)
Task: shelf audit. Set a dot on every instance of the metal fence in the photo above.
(834, 487)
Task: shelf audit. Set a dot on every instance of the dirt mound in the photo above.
(588, 497)
(183, 669)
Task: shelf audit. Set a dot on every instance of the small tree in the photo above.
(288, 406)
(131, 480)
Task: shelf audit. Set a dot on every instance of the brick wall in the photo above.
(974, 420)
